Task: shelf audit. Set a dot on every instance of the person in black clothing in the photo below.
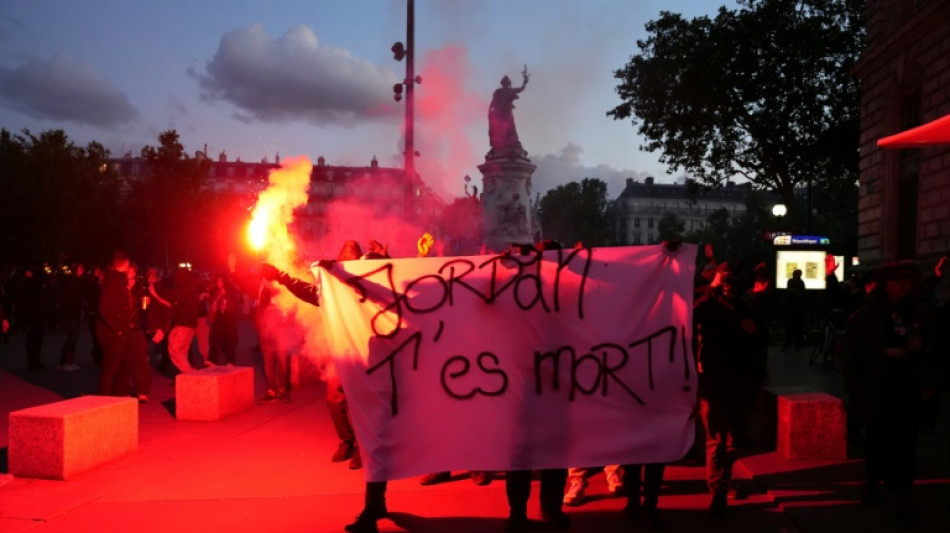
(796, 308)
(93, 288)
(889, 345)
(222, 315)
(724, 334)
(71, 299)
(158, 313)
(31, 311)
(375, 495)
(118, 328)
(552, 481)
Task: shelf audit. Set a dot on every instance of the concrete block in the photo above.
(62, 439)
(763, 420)
(811, 425)
(213, 393)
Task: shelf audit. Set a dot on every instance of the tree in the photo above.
(60, 201)
(763, 92)
(168, 208)
(460, 226)
(577, 212)
(670, 228)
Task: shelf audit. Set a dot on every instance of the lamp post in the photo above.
(408, 52)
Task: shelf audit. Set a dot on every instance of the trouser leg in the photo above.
(517, 490)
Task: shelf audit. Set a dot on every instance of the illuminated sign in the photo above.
(799, 240)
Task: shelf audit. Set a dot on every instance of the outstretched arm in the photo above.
(298, 287)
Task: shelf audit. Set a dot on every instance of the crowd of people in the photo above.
(895, 352)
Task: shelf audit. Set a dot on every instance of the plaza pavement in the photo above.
(268, 470)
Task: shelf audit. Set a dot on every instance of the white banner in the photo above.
(566, 358)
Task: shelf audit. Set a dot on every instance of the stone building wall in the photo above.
(908, 53)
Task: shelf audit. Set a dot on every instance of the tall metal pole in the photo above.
(409, 154)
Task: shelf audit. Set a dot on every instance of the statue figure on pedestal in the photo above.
(502, 134)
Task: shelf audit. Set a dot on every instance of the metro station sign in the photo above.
(801, 240)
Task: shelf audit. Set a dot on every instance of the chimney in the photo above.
(648, 180)
(630, 182)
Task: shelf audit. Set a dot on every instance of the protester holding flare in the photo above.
(375, 498)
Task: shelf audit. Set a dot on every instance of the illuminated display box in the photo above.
(62, 439)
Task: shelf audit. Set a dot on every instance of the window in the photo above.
(650, 223)
(636, 239)
(636, 222)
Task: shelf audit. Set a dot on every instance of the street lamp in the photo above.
(407, 52)
(779, 211)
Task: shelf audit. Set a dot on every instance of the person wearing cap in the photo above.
(888, 343)
(724, 336)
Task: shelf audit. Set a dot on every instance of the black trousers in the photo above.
(518, 489)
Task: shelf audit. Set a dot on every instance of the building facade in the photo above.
(381, 188)
(640, 207)
(904, 199)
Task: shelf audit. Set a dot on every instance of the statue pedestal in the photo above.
(506, 199)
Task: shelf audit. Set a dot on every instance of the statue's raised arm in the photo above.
(502, 134)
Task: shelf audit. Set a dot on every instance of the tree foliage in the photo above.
(58, 200)
(64, 203)
(763, 92)
(670, 228)
(168, 208)
(577, 212)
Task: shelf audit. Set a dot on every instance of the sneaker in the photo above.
(614, 483)
(143, 398)
(62, 368)
(343, 452)
(284, 397)
(269, 398)
(356, 462)
(74, 367)
(575, 494)
(435, 478)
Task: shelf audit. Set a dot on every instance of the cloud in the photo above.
(564, 167)
(295, 78)
(64, 89)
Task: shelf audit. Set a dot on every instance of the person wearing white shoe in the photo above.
(577, 483)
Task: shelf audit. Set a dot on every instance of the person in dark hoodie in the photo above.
(184, 300)
(118, 328)
(375, 494)
(725, 336)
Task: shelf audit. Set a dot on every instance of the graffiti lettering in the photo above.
(519, 277)
(595, 371)
(466, 365)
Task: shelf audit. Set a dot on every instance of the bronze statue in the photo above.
(502, 134)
